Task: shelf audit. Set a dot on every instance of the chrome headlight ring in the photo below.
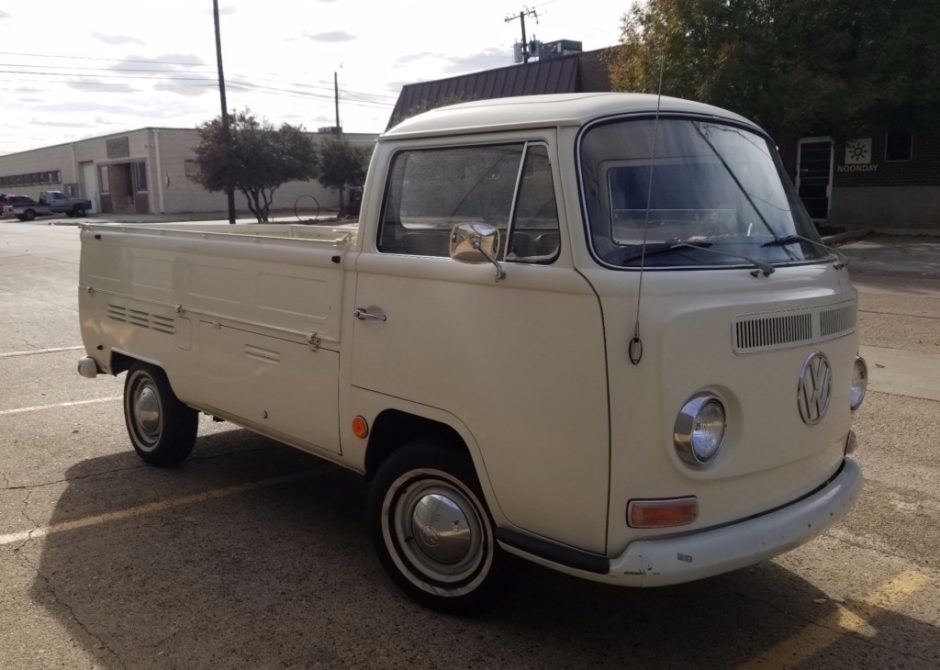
(859, 383)
(700, 429)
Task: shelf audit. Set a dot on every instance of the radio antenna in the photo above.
(635, 350)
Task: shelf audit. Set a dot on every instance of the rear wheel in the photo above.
(29, 215)
(78, 210)
(162, 429)
(432, 530)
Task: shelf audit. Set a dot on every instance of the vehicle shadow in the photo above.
(255, 555)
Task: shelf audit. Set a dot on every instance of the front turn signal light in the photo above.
(662, 513)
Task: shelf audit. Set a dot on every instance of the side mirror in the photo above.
(476, 243)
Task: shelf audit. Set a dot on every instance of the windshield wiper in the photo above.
(672, 245)
(793, 238)
(740, 186)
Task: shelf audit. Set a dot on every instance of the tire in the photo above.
(78, 211)
(461, 572)
(162, 429)
(29, 215)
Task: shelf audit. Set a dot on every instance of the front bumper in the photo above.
(684, 558)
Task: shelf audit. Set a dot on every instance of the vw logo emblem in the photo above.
(815, 388)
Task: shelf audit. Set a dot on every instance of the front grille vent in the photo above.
(142, 319)
(778, 330)
(763, 332)
(837, 320)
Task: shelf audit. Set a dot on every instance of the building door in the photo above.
(814, 159)
(90, 184)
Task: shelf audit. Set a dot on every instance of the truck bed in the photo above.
(224, 309)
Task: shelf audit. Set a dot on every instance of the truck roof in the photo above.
(539, 111)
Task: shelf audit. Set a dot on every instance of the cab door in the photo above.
(519, 361)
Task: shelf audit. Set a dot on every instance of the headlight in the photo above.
(699, 429)
(859, 382)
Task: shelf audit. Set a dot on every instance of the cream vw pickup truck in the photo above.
(596, 331)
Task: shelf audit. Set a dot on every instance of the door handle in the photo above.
(363, 315)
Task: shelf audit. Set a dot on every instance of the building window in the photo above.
(899, 146)
(191, 168)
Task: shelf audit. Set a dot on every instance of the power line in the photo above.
(326, 85)
(161, 77)
(113, 60)
(197, 82)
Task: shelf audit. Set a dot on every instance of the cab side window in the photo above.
(508, 186)
(534, 234)
(431, 190)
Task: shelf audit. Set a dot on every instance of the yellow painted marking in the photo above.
(149, 508)
(39, 408)
(823, 633)
(33, 352)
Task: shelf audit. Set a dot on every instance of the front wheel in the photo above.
(432, 530)
(162, 429)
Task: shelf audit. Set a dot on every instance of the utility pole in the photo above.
(339, 132)
(521, 17)
(226, 133)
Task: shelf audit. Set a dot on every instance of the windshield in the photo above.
(707, 194)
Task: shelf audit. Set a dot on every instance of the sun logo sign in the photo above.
(858, 156)
(858, 152)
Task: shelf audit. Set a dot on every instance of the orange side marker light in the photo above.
(360, 427)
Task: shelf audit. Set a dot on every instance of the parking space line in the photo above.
(32, 352)
(855, 618)
(149, 508)
(39, 408)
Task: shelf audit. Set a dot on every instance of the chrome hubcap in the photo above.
(441, 529)
(147, 413)
(437, 533)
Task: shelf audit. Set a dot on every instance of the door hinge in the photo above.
(313, 340)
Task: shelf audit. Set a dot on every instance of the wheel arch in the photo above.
(394, 428)
(121, 361)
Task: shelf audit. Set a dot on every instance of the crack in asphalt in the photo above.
(50, 588)
(67, 480)
(62, 603)
(913, 316)
(25, 506)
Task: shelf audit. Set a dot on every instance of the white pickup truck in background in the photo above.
(548, 336)
(51, 202)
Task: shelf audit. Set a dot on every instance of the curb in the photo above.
(847, 236)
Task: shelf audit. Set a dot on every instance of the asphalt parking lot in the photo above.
(253, 555)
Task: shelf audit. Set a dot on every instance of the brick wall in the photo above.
(922, 170)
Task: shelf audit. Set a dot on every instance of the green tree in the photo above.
(260, 159)
(342, 164)
(798, 65)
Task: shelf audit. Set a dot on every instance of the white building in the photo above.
(145, 171)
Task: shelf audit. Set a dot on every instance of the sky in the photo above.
(72, 70)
